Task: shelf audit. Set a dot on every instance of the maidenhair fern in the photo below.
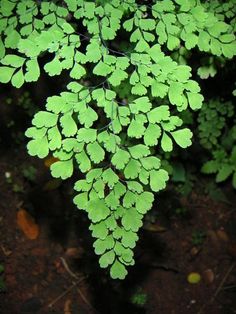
(121, 106)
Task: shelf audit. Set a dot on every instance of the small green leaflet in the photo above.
(62, 169)
(120, 159)
(182, 137)
(97, 210)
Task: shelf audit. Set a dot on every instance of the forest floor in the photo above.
(50, 267)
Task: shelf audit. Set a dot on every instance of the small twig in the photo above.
(223, 281)
(86, 300)
(70, 272)
(229, 287)
(219, 288)
(68, 269)
(65, 292)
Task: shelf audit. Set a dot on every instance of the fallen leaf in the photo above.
(195, 250)
(154, 228)
(49, 161)
(6, 252)
(208, 276)
(74, 252)
(27, 224)
(67, 307)
(194, 278)
(222, 235)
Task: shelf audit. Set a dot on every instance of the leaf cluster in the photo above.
(121, 108)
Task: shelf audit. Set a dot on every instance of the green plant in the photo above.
(123, 101)
(139, 298)
(217, 133)
(198, 237)
(29, 172)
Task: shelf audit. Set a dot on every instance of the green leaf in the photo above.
(158, 179)
(13, 60)
(112, 201)
(83, 161)
(210, 166)
(18, 79)
(107, 259)
(93, 174)
(224, 172)
(99, 230)
(6, 74)
(87, 117)
(2, 49)
(128, 25)
(173, 42)
(204, 41)
(101, 246)
(129, 238)
(108, 33)
(62, 169)
(135, 186)
(234, 180)
(44, 118)
(87, 135)
(117, 77)
(132, 169)
(118, 271)
(12, 39)
(136, 129)
(139, 151)
(129, 199)
(142, 46)
(54, 137)
(183, 137)
(152, 134)
(150, 162)
(176, 93)
(38, 147)
(97, 210)
(33, 70)
(96, 152)
(166, 143)
(159, 114)
(144, 202)
(77, 71)
(120, 159)
(54, 67)
(110, 177)
(195, 100)
(72, 4)
(191, 40)
(159, 89)
(119, 189)
(132, 220)
(138, 89)
(102, 69)
(81, 200)
(141, 104)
